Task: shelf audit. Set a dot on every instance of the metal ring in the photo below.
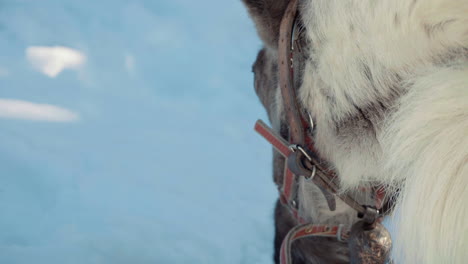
(312, 175)
(304, 152)
(311, 121)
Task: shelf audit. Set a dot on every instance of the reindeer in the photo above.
(383, 86)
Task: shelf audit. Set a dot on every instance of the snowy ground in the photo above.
(126, 134)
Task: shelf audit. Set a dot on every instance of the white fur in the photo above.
(426, 145)
(420, 143)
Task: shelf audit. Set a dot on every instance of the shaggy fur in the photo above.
(386, 82)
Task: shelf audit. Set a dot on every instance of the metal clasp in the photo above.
(370, 215)
(295, 148)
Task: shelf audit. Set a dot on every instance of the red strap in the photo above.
(289, 181)
(309, 230)
(287, 192)
(379, 197)
(282, 146)
(277, 141)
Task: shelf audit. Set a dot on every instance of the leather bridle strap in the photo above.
(309, 230)
(291, 108)
(296, 123)
(297, 133)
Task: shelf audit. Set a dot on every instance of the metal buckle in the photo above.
(296, 147)
(370, 215)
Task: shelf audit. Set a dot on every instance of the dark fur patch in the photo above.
(396, 19)
(367, 118)
(452, 56)
(367, 73)
(432, 30)
(265, 79)
(267, 15)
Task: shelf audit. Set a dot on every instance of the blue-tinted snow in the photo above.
(163, 165)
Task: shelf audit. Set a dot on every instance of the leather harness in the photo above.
(301, 157)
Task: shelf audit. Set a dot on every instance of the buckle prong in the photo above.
(295, 147)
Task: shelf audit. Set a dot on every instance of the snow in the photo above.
(53, 60)
(127, 134)
(32, 111)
